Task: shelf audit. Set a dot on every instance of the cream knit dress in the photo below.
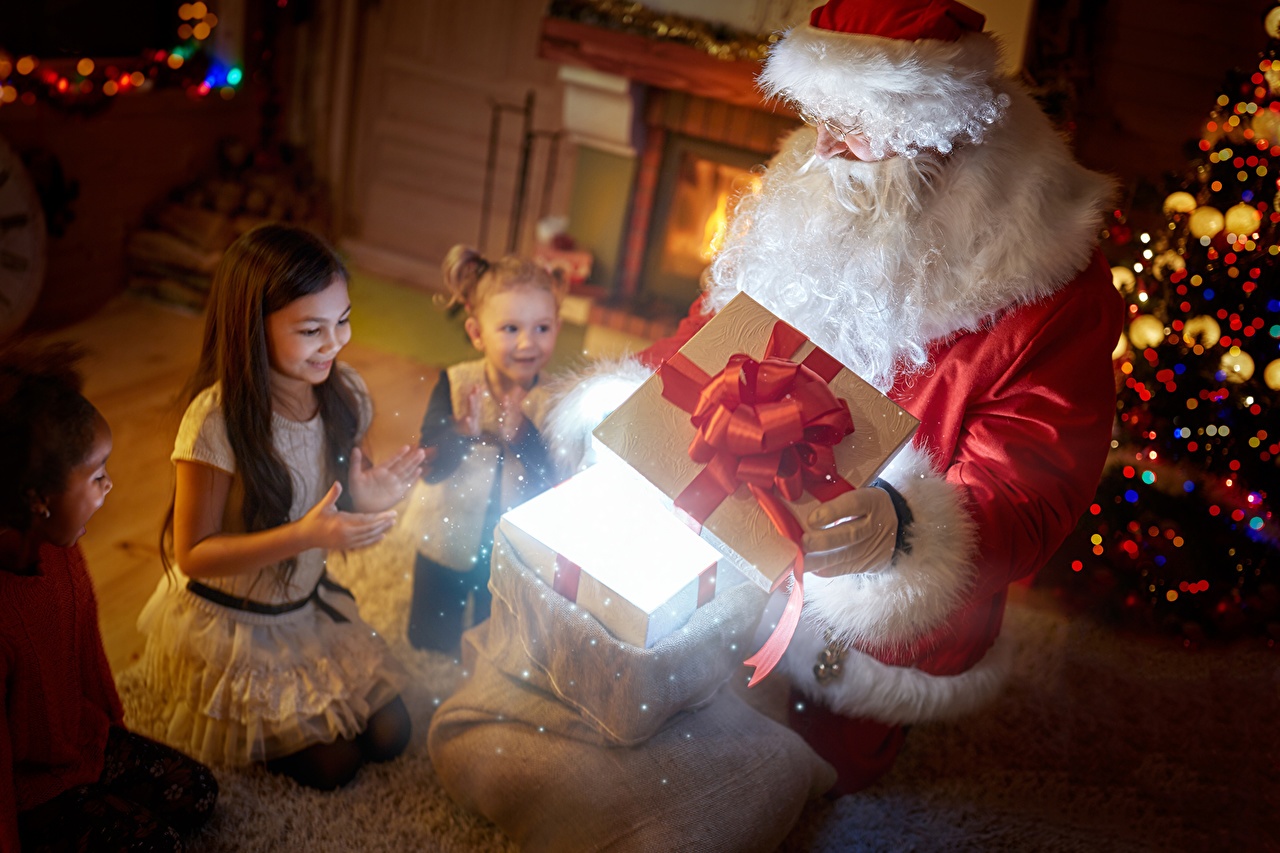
(234, 686)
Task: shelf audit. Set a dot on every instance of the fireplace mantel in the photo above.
(661, 64)
(664, 107)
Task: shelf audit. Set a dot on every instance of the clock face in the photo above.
(22, 242)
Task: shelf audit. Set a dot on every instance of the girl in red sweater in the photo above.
(71, 776)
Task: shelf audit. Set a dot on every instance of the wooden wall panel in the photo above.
(429, 72)
(124, 160)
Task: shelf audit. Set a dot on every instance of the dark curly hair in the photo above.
(46, 425)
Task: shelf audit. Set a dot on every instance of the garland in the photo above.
(717, 40)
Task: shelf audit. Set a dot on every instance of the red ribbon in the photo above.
(770, 425)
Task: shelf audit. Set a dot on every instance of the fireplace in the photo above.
(694, 130)
(698, 156)
(698, 183)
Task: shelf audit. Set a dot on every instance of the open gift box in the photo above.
(746, 430)
(654, 435)
(710, 470)
(605, 540)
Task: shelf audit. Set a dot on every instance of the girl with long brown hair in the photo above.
(255, 653)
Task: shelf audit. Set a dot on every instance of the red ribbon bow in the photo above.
(770, 425)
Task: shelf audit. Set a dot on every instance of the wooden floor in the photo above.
(140, 354)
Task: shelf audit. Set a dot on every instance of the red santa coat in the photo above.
(1015, 421)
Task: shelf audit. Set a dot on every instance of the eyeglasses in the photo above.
(837, 130)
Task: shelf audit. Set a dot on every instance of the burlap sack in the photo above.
(570, 740)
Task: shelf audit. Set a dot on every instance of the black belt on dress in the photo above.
(217, 596)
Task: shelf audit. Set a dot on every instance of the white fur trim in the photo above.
(898, 695)
(581, 400)
(1005, 223)
(905, 94)
(900, 603)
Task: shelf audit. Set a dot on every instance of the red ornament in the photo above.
(1121, 234)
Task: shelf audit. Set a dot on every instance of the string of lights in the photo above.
(85, 83)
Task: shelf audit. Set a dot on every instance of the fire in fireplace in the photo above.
(705, 191)
(699, 181)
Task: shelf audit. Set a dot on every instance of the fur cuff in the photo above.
(581, 400)
(899, 603)
(903, 94)
(897, 695)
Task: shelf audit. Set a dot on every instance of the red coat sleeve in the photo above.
(1034, 443)
(1015, 427)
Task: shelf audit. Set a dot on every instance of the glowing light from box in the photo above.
(640, 564)
(611, 520)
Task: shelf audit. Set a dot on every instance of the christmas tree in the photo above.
(1181, 535)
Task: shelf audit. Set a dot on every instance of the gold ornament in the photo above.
(1238, 365)
(1179, 202)
(1146, 331)
(1122, 347)
(1205, 222)
(1202, 330)
(1266, 125)
(1271, 375)
(1242, 220)
(1124, 280)
(1272, 22)
(1167, 262)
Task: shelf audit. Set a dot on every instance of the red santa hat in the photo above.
(909, 74)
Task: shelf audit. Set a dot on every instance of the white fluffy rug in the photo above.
(1101, 742)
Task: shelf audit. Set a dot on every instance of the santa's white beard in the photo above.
(835, 249)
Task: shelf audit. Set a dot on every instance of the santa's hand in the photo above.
(852, 533)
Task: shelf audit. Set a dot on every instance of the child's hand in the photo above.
(429, 456)
(326, 526)
(381, 486)
(469, 424)
(512, 413)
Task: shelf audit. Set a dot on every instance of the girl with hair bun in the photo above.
(483, 422)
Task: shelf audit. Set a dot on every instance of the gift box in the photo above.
(748, 428)
(605, 540)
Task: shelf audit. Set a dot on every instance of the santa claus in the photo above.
(931, 230)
